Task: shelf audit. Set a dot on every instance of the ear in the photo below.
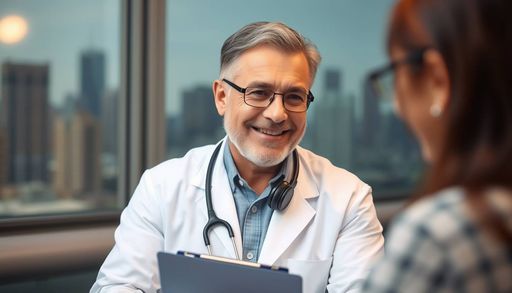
(438, 79)
(219, 95)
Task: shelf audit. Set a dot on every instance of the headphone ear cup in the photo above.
(280, 196)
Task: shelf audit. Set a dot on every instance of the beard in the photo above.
(260, 155)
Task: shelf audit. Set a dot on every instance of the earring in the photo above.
(435, 110)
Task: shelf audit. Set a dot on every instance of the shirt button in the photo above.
(240, 182)
(250, 255)
(254, 209)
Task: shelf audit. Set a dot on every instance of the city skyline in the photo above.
(78, 134)
(349, 35)
(58, 38)
(379, 148)
(82, 51)
(58, 152)
(193, 44)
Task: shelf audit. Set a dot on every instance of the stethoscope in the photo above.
(278, 199)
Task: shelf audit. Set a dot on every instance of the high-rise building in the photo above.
(24, 115)
(201, 122)
(77, 143)
(372, 117)
(85, 153)
(62, 146)
(92, 80)
(109, 122)
(332, 81)
(62, 154)
(175, 134)
(332, 125)
(3, 159)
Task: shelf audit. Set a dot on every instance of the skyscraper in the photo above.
(83, 131)
(332, 81)
(25, 120)
(92, 80)
(109, 121)
(85, 145)
(372, 118)
(63, 161)
(201, 121)
(3, 160)
(77, 143)
(331, 126)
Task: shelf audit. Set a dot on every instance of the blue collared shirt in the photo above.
(254, 214)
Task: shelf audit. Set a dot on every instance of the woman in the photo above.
(452, 66)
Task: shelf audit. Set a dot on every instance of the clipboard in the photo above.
(186, 272)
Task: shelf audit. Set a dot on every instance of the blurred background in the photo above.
(94, 92)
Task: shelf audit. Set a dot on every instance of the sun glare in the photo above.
(13, 29)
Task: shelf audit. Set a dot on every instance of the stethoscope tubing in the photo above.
(213, 220)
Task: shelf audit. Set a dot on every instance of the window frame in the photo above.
(141, 145)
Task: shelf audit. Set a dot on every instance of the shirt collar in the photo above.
(234, 176)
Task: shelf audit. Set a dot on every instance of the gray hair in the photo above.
(275, 34)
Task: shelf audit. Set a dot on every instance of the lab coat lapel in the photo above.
(285, 226)
(223, 204)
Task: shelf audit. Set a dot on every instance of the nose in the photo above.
(276, 111)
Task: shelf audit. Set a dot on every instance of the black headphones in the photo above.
(282, 193)
(282, 190)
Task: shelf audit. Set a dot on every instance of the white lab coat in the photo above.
(329, 234)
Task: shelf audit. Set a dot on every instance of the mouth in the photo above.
(271, 132)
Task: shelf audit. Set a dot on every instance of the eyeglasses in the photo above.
(297, 100)
(381, 81)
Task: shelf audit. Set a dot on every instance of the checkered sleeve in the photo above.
(413, 261)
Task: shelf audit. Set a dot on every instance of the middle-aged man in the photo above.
(326, 230)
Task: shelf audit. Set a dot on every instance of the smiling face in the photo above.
(263, 136)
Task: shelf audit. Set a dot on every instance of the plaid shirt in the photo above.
(436, 246)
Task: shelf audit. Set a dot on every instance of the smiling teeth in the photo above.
(270, 132)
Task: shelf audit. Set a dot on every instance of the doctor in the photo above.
(297, 211)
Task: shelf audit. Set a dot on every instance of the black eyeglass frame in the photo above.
(310, 98)
(415, 57)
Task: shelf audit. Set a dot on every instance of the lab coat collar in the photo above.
(198, 180)
(284, 226)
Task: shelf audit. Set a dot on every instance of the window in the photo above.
(345, 123)
(60, 91)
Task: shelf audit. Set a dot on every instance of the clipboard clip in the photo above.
(233, 261)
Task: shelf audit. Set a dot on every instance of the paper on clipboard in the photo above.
(191, 272)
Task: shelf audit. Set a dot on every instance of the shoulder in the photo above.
(441, 215)
(182, 167)
(434, 229)
(439, 240)
(416, 258)
(344, 189)
(324, 171)
(448, 220)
